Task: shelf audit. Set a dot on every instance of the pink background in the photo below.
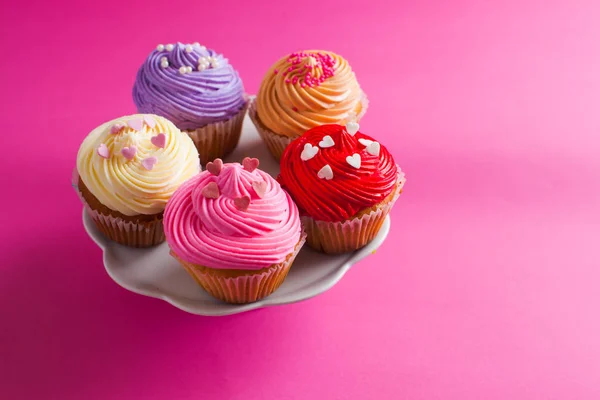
(487, 287)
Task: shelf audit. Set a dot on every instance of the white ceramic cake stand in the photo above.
(153, 272)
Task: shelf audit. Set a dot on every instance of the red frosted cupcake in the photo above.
(344, 183)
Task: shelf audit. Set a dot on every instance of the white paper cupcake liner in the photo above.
(350, 235)
(218, 139)
(128, 233)
(243, 288)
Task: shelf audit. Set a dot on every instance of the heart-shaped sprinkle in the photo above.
(260, 187)
(242, 203)
(250, 164)
(354, 160)
(211, 191)
(150, 121)
(374, 148)
(149, 162)
(309, 152)
(136, 124)
(365, 142)
(116, 128)
(159, 140)
(352, 127)
(215, 167)
(326, 142)
(129, 152)
(325, 173)
(103, 151)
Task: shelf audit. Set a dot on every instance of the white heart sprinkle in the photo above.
(325, 173)
(365, 142)
(326, 142)
(352, 127)
(354, 160)
(373, 148)
(309, 152)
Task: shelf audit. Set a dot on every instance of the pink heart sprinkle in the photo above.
(211, 191)
(250, 164)
(103, 151)
(136, 124)
(149, 162)
(215, 167)
(159, 140)
(129, 152)
(150, 121)
(242, 203)
(116, 128)
(260, 188)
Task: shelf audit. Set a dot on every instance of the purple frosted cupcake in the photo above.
(199, 91)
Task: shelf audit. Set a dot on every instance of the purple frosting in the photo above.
(190, 100)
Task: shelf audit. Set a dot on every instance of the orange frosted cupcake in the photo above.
(304, 90)
(344, 183)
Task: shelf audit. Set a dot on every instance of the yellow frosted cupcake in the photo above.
(304, 90)
(127, 169)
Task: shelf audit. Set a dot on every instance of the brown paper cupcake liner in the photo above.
(241, 286)
(128, 233)
(277, 143)
(351, 235)
(218, 139)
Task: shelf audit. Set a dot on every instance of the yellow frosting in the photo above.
(289, 109)
(127, 186)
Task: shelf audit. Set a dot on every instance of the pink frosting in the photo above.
(216, 233)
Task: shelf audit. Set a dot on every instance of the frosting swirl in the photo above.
(308, 89)
(133, 164)
(209, 91)
(213, 228)
(332, 174)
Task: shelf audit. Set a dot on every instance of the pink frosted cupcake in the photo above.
(235, 230)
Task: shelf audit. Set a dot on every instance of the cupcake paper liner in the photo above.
(277, 143)
(128, 233)
(344, 236)
(218, 139)
(241, 286)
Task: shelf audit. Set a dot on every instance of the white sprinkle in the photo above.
(164, 59)
(325, 173)
(182, 70)
(201, 67)
(170, 47)
(164, 64)
(188, 48)
(196, 44)
(188, 69)
(160, 47)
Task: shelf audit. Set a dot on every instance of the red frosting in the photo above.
(351, 189)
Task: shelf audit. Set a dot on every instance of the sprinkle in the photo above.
(103, 151)
(160, 47)
(325, 173)
(196, 44)
(164, 59)
(188, 69)
(189, 49)
(116, 128)
(275, 71)
(287, 81)
(295, 109)
(182, 70)
(170, 47)
(149, 162)
(164, 64)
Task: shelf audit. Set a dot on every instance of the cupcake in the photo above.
(127, 169)
(199, 91)
(234, 230)
(344, 183)
(302, 91)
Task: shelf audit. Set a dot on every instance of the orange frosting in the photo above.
(309, 89)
